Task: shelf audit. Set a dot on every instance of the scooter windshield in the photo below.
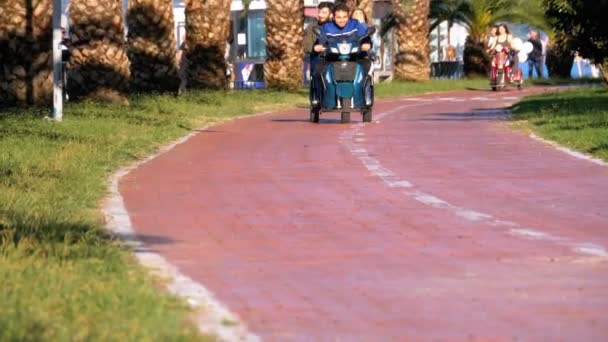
(343, 45)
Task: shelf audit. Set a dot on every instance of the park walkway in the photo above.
(435, 222)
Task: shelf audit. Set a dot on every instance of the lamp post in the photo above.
(57, 66)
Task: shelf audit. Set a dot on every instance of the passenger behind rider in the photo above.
(341, 24)
(491, 43)
(324, 15)
(359, 14)
(505, 39)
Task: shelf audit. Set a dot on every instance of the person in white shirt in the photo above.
(491, 43)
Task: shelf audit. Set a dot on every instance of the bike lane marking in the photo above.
(353, 140)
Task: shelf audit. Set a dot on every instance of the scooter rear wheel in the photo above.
(314, 115)
(345, 117)
(367, 115)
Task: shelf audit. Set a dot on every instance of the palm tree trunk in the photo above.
(151, 42)
(476, 62)
(99, 65)
(368, 7)
(450, 24)
(603, 67)
(284, 35)
(207, 32)
(439, 43)
(412, 57)
(26, 60)
(559, 57)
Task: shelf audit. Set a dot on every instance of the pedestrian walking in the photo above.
(535, 58)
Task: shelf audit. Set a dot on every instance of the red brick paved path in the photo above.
(293, 227)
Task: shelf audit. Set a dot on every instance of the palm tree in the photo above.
(284, 22)
(411, 19)
(151, 42)
(284, 35)
(99, 65)
(207, 32)
(452, 11)
(477, 16)
(481, 14)
(25, 52)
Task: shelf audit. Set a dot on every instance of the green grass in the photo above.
(394, 89)
(61, 277)
(577, 119)
(565, 81)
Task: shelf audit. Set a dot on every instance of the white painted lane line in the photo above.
(398, 184)
(592, 249)
(528, 233)
(356, 148)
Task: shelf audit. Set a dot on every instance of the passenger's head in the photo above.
(359, 14)
(325, 11)
(533, 34)
(493, 30)
(341, 15)
(503, 29)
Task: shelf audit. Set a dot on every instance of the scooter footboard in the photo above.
(359, 86)
(329, 84)
(344, 79)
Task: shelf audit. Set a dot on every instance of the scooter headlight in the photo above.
(334, 50)
(344, 48)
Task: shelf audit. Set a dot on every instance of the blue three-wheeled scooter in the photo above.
(345, 86)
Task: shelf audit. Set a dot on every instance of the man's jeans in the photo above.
(534, 63)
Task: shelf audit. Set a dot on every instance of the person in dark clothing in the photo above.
(325, 14)
(535, 58)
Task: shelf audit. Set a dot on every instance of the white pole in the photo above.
(57, 66)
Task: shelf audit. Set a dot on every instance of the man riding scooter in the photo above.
(341, 29)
